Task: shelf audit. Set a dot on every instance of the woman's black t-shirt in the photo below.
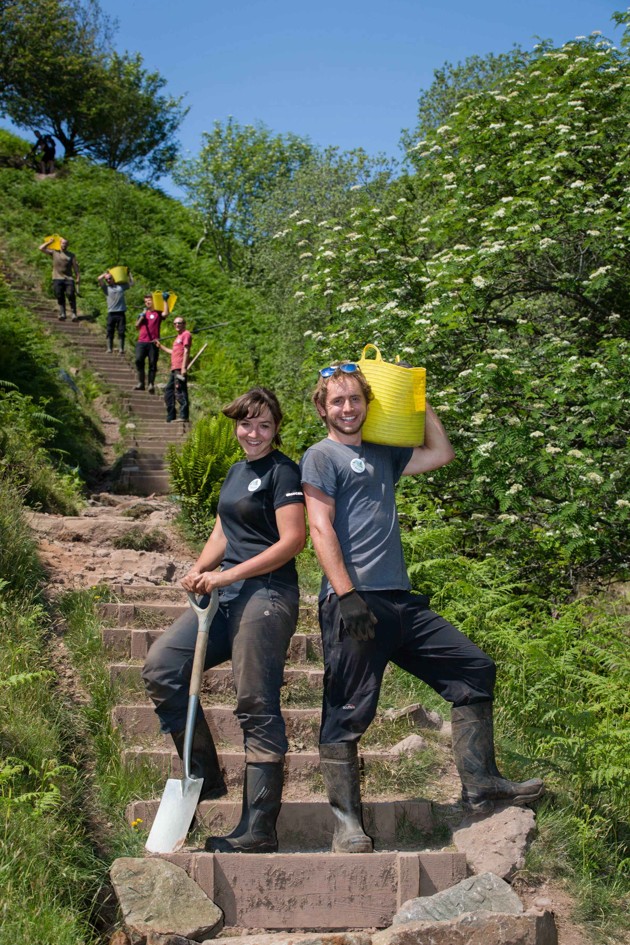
(249, 497)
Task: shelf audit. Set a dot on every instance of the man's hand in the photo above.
(358, 619)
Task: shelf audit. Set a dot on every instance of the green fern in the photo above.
(198, 469)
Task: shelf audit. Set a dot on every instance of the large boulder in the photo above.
(496, 843)
(159, 901)
(485, 893)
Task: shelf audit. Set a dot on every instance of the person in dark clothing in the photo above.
(259, 530)
(45, 149)
(369, 616)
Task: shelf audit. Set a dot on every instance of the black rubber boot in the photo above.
(339, 765)
(262, 799)
(204, 762)
(483, 785)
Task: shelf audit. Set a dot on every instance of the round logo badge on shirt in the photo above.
(254, 484)
(357, 465)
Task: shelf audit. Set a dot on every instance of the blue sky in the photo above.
(341, 72)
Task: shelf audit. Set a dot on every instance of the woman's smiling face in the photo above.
(256, 434)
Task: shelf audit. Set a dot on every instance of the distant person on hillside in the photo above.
(149, 324)
(250, 559)
(176, 390)
(44, 149)
(116, 308)
(65, 277)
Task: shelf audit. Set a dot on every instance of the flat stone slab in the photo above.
(158, 897)
(308, 824)
(323, 891)
(126, 640)
(299, 938)
(487, 893)
(481, 928)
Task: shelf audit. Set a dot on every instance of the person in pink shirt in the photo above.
(149, 324)
(176, 390)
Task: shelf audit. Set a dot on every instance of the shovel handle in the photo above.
(205, 615)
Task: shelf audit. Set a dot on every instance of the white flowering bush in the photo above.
(501, 264)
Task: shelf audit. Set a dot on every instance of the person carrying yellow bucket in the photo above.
(116, 306)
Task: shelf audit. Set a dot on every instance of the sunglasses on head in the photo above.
(348, 368)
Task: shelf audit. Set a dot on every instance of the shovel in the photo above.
(180, 798)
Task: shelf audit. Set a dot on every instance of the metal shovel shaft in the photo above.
(180, 798)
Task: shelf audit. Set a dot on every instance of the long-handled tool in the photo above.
(180, 798)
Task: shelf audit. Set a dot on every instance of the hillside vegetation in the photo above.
(500, 260)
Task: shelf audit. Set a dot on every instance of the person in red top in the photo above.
(176, 389)
(149, 324)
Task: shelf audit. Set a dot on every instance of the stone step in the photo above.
(308, 823)
(325, 891)
(139, 482)
(134, 643)
(139, 721)
(300, 766)
(218, 680)
(169, 593)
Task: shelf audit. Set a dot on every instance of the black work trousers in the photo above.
(116, 322)
(146, 351)
(409, 634)
(176, 392)
(65, 290)
(253, 630)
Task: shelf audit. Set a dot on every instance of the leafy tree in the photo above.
(452, 83)
(133, 124)
(51, 61)
(238, 165)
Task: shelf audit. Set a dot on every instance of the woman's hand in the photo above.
(204, 582)
(208, 582)
(189, 580)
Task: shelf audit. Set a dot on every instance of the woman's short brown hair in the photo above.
(319, 394)
(251, 404)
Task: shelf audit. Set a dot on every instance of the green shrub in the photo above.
(199, 468)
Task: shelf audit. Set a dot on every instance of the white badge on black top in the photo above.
(254, 485)
(357, 465)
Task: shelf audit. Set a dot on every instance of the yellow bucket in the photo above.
(158, 301)
(119, 274)
(396, 415)
(56, 241)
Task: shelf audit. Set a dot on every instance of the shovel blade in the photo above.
(174, 816)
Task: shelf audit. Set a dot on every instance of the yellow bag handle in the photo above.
(379, 356)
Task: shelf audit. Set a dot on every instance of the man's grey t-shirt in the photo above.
(115, 296)
(362, 481)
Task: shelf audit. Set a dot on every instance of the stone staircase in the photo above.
(303, 885)
(145, 434)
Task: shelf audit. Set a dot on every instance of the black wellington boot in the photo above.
(262, 799)
(339, 765)
(204, 762)
(473, 747)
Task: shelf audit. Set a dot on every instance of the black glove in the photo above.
(166, 296)
(358, 619)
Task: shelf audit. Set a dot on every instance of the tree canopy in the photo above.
(236, 168)
(59, 74)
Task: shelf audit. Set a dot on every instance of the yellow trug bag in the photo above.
(396, 415)
(158, 301)
(119, 274)
(56, 241)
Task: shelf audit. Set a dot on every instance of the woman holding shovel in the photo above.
(258, 532)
